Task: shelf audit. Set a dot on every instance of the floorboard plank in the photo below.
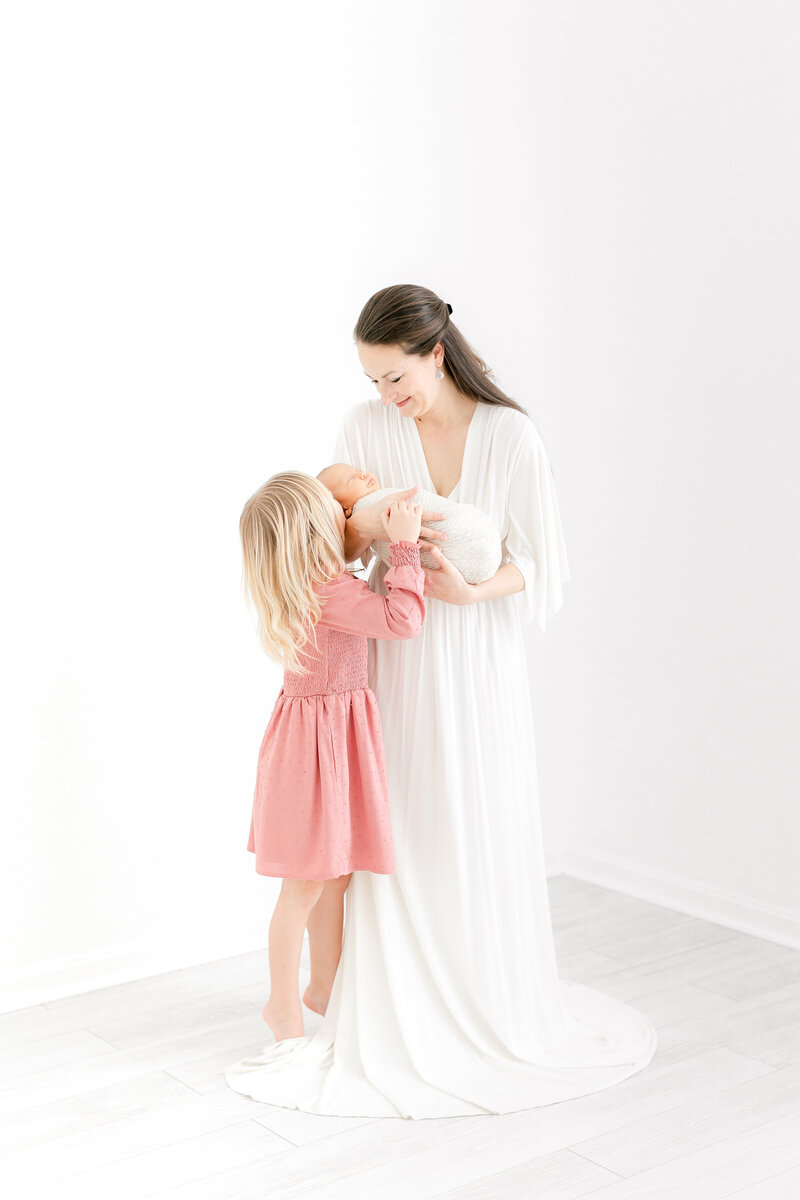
(121, 1092)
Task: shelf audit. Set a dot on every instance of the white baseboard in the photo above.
(113, 965)
(702, 900)
(134, 960)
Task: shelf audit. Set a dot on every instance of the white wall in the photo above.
(676, 690)
(203, 198)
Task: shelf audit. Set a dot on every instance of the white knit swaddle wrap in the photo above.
(473, 542)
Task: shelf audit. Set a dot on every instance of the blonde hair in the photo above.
(290, 539)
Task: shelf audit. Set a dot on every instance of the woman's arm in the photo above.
(447, 583)
(534, 556)
(505, 581)
(364, 526)
(355, 543)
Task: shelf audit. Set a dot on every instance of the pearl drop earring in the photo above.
(440, 374)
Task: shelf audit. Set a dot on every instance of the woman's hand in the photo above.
(446, 582)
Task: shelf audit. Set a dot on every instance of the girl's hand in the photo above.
(368, 522)
(446, 582)
(403, 521)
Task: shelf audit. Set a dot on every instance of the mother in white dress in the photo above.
(447, 1000)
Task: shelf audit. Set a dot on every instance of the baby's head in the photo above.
(347, 484)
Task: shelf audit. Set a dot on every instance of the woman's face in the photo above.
(405, 380)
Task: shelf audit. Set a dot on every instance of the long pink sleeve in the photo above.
(353, 608)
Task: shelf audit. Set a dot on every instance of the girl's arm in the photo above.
(352, 607)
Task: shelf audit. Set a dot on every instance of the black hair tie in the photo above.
(449, 308)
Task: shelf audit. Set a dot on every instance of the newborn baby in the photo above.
(473, 542)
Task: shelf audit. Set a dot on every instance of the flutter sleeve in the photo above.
(534, 541)
(353, 608)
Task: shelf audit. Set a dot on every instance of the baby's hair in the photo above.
(290, 539)
(325, 472)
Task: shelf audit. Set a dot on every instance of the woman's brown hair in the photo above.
(415, 319)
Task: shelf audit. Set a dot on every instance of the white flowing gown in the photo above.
(447, 1000)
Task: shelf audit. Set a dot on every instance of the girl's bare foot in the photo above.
(283, 1025)
(315, 999)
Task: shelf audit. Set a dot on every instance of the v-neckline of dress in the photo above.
(424, 461)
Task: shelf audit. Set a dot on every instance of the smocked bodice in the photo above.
(339, 666)
(351, 614)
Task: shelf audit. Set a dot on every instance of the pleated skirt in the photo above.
(321, 804)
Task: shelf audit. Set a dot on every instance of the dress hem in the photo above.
(279, 872)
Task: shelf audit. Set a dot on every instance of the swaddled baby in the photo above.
(473, 543)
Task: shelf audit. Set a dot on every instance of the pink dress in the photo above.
(321, 804)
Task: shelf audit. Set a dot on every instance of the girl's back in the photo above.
(321, 804)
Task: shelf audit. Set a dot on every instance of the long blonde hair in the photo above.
(290, 539)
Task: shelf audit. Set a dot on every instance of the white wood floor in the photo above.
(119, 1093)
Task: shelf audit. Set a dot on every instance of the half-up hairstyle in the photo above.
(415, 319)
(290, 539)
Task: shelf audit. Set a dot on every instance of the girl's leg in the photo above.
(283, 1011)
(325, 923)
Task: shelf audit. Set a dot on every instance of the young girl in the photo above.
(321, 808)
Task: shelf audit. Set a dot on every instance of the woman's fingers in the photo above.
(403, 495)
(431, 535)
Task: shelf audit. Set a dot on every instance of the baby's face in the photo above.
(348, 484)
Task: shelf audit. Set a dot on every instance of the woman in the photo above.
(447, 999)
